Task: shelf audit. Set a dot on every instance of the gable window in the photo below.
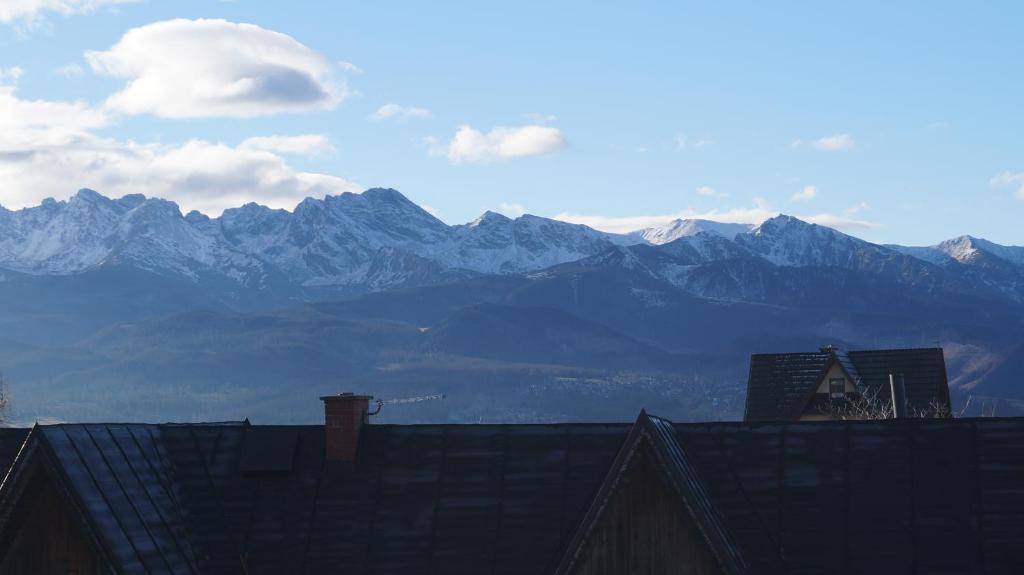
(837, 388)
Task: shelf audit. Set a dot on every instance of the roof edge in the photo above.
(644, 431)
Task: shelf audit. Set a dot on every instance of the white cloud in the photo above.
(834, 143)
(399, 112)
(71, 70)
(306, 144)
(1009, 180)
(25, 124)
(209, 68)
(473, 146)
(51, 149)
(511, 210)
(806, 194)
(709, 191)
(30, 10)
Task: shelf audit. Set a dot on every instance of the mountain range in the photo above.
(127, 308)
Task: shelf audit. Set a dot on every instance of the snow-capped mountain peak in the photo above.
(681, 228)
(967, 250)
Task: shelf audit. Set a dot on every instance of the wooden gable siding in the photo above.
(645, 529)
(49, 541)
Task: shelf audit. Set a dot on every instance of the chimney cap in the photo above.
(348, 395)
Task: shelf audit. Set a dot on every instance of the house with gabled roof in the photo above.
(734, 498)
(835, 384)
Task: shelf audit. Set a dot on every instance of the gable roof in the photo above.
(262, 499)
(673, 461)
(779, 385)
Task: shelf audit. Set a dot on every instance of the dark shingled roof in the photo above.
(894, 496)
(780, 384)
(432, 498)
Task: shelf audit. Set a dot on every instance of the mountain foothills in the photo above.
(127, 309)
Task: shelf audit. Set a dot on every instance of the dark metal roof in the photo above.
(11, 439)
(435, 498)
(895, 496)
(923, 371)
(780, 384)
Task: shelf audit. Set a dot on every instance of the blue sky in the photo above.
(893, 123)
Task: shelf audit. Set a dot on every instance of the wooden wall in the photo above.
(50, 542)
(645, 530)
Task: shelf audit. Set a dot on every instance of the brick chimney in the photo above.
(344, 416)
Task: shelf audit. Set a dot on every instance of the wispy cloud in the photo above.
(1014, 180)
(740, 215)
(541, 118)
(10, 76)
(512, 210)
(756, 213)
(856, 208)
(470, 145)
(834, 143)
(840, 222)
(710, 192)
(306, 144)
(395, 111)
(30, 11)
(683, 142)
(71, 70)
(349, 67)
(804, 195)
(215, 68)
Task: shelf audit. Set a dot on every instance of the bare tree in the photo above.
(871, 404)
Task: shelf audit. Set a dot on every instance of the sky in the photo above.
(894, 122)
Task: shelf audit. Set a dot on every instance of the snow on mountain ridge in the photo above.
(379, 238)
(964, 250)
(336, 241)
(680, 228)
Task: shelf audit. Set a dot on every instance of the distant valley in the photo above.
(128, 309)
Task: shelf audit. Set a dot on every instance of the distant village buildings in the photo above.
(793, 495)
